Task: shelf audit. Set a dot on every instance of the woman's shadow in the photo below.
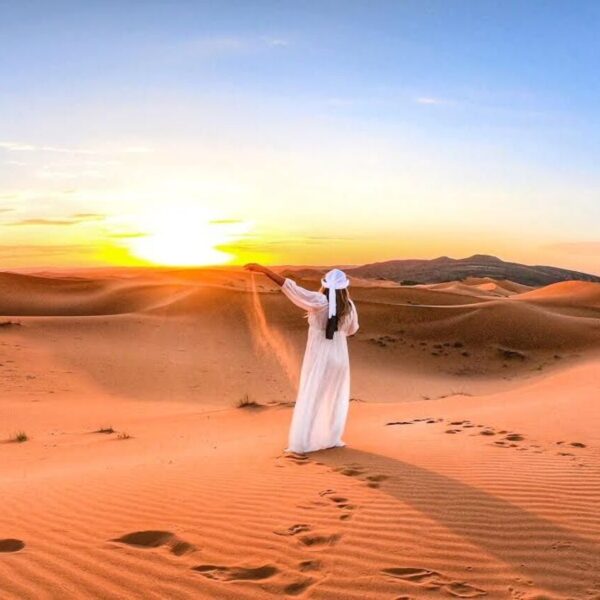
(555, 558)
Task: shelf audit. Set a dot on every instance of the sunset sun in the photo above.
(185, 235)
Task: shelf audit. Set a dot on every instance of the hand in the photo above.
(255, 267)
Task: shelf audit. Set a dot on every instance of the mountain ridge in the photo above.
(443, 269)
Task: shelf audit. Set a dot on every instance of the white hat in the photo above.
(334, 280)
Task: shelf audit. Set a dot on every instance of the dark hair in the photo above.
(342, 302)
(343, 307)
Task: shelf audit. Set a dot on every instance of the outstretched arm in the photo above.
(298, 295)
(255, 267)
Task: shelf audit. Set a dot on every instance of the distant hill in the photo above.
(442, 269)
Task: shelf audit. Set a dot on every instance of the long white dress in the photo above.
(324, 391)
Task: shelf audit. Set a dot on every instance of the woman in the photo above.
(324, 393)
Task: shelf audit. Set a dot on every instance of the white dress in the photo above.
(324, 392)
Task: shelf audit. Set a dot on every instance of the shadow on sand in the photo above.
(555, 558)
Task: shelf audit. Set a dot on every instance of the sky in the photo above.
(313, 132)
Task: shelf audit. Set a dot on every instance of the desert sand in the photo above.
(472, 466)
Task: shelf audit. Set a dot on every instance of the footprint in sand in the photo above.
(353, 470)
(293, 529)
(309, 565)
(339, 501)
(463, 590)
(11, 545)
(433, 580)
(298, 587)
(298, 459)
(259, 574)
(222, 573)
(373, 481)
(154, 539)
(318, 542)
(344, 505)
(350, 471)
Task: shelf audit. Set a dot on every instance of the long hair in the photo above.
(343, 307)
(342, 302)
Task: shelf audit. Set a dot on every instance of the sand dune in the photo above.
(569, 293)
(486, 488)
(480, 287)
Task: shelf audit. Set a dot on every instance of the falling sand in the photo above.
(269, 339)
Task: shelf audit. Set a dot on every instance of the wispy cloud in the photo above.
(26, 147)
(225, 221)
(17, 147)
(225, 45)
(430, 100)
(89, 216)
(276, 41)
(127, 235)
(43, 251)
(43, 222)
(72, 220)
(13, 146)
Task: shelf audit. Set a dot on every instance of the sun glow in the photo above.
(185, 235)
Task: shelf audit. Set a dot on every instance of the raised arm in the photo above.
(256, 268)
(301, 297)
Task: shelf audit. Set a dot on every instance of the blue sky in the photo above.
(338, 131)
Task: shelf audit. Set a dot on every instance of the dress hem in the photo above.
(338, 445)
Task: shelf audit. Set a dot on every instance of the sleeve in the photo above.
(352, 326)
(303, 298)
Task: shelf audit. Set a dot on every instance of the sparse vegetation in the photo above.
(511, 354)
(246, 402)
(106, 430)
(20, 437)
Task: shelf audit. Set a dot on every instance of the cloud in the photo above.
(127, 235)
(225, 221)
(225, 45)
(258, 243)
(43, 250)
(43, 222)
(72, 220)
(430, 100)
(275, 41)
(579, 248)
(12, 146)
(88, 216)
(17, 147)
(26, 147)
